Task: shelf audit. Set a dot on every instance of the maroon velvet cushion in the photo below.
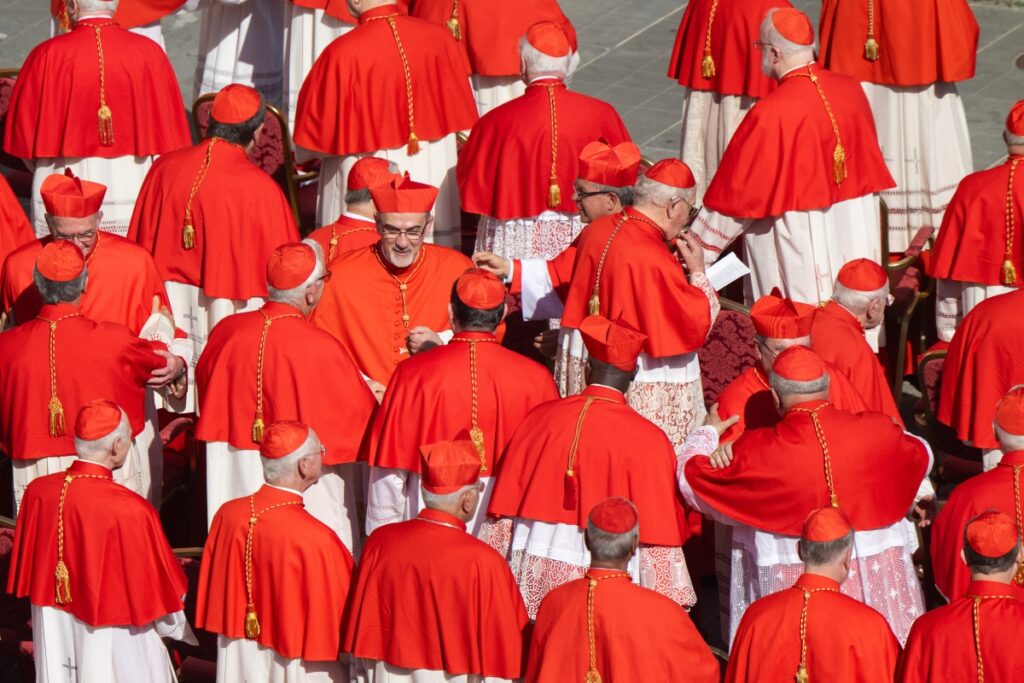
(729, 351)
(931, 373)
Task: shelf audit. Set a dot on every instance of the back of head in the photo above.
(860, 285)
(283, 446)
(366, 173)
(450, 476)
(237, 112)
(667, 181)
(613, 348)
(826, 540)
(546, 52)
(98, 426)
(798, 375)
(97, 6)
(291, 269)
(788, 30)
(60, 272)
(1014, 133)
(992, 543)
(613, 531)
(1009, 420)
(478, 301)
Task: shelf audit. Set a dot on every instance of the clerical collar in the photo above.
(54, 311)
(381, 11)
(357, 217)
(283, 488)
(90, 462)
(816, 581)
(546, 80)
(1012, 459)
(605, 392)
(441, 519)
(807, 406)
(993, 589)
(796, 68)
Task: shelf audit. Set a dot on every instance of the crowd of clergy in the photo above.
(438, 454)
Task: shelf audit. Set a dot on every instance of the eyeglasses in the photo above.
(325, 278)
(580, 196)
(412, 234)
(79, 237)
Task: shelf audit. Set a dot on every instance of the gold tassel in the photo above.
(252, 623)
(594, 305)
(871, 50)
(453, 26)
(61, 584)
(801, 674)
(414, 144)
(56, 409)
(257, 427)
(1018, 578)
(106, 126)
(1009, 273)
(188, 236)
(592, 676)
(707, 67)
(476, 435)
(554, 194)
(839, 163)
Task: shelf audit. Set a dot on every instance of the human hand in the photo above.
(421, 338)
(721, 457)
(691, 253)
(377, 388)
(924, 511)
(720, 425)
(547, 343)
(492, 263)
(173, 368)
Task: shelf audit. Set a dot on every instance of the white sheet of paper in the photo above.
(726, 270)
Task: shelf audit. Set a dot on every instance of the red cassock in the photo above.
(300, 577)
(15, 230)
(971, 246)
(132, 13)
(430, 396)
(942, 645)
(991, 490)
(735, 29)
(122, 282)
(362, 305)
(504, 170)
(93, 360)
(427, 595)
(307, 376)
(641, 283)
(344, 235)
(847, 641)
(838, 338)
(490, 31)
(355, 100)
(777, 475)
(56, 97)
(121, 569)
(982, 364)
(750, 397)
(788, 137)
(639, 635)
(619, 454)
(919, 43)
(239, 214)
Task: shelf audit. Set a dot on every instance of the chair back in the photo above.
(728, 351)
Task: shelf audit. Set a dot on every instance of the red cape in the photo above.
(350, 233)
(239, 213)
(982, 364)
(639, 636)
(847, 641)
(428, 595)
(641, 283)
(300, 577)
(919, 43)
(297, 359)
(132, 13)
(971, 246)
(57, 94)
(736, 28)
(504, 170)
(121, 568)
(354, 98)
(788, 137)
(777, 475)
(15, 230)
(428, 400)
(619, 454)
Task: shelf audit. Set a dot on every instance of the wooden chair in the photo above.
(728, 351)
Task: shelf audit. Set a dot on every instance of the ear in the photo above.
(963, 556)
(504, 312)
(451, 314)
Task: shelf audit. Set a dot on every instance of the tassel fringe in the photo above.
(106, 126)
(257, 428)
(554, 194)
(414, 144)
(801, 674)
(61, 584)
(188, 236)
(871, 50)
(476, 435)
(252, 623)
(454, 28)
(1009, 273)
(839, 164)
(707, 67)
(56, 409)
(594, 305)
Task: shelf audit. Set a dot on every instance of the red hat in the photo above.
(477, 288)
(992, 534)
(450, 465)
(614, 515)
(826, 524)
(401, 195)
(549, 38)
(236, 103)
(615, 343)
(67, 196)
(799, 364)
(283, 438)
(616, 166)
(290, 265)
(1010, 411)
(60, 261)
(863, 275)
(793, 25)
(370, 172)
(777, 317)
(96, 419)
(672, 172)
(1015, 119)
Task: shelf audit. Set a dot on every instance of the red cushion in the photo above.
(728, 351)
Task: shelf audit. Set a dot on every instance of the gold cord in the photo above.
(403, 285)
(106, 119)
(1009, 269)
(839, 152)
(976, 625)
(707, 66)
(413, 146)
(188, 233)
(571, 487)
(476, 434)
(593, 675)
(554, 191)
(336, 237)
(594, 304)
(871, 45)
(258, 425)
(55, 408)
(820, 433)
(62, 578)
(453, 21)
(801, 671)
(1019, 576)
(252, 622)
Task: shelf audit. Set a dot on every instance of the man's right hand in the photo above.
(720, 425)
(492, 263)
(547, 343)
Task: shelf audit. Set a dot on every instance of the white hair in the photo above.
(276, 469)
(94, 449)
(88, 6)
(788, 387)
(771, 36)
(647, 191)
(296, 296)
(444, 501)
(540, 65)
(605, 545)
(1013, 140)
(855, 300)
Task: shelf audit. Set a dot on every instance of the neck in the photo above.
(796, 61)
(837, 572)
(1015, 150)
(363, 210)
(858, 317)
(651, 211)
(368, 5)
(618, 565)
(95, 14)
(292, 483)
(107, 460)
(998, 577)
(796, 399)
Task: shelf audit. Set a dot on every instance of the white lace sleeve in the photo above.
(701, 282)
(386, 500)
(701, 441)
(497, 533)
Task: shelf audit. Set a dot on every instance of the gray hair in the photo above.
(1013, 140)
(779, 345)
(788, 387)
(540, 65)
(606, 546)
(97, 5)
(770, 35)
(296, 296)
(56, 292)
(856, 301)
(276, 469)
(647, 191)
(444, 501)
(625, 194)
(817, 553)
(92, 449)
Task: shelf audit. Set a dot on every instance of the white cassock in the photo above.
(241, 41)
(882, 573)
(306, 33)
(955, 299)
(709, 121)
(394, 496)
(922, 132)
(240, 659)
(494, 91)
(373, 671)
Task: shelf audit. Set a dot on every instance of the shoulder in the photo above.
(124, 251)
(449, 259)
(25, 254)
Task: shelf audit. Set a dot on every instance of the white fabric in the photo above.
(531, 237)
(332, 500)
(434, 165)
(709, 121)
(307, 32)
(990, 458)
(494, 91)
(922, 131)
(955, 299)
(149, 479)
(123, 177)
(394, 496)
(152, 31)
(26, 471)
(540, 301)
(373, 671)
(230, 473)
(241, 41)
(240, 659)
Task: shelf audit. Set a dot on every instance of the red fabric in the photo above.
(548, 38)
(68, 196)
(728, 351)
(799, 363)
(93, 360)
(480, 289)
(737, 62)
(290, 265)
(863, 275)
(132, 13)
(362, 306)
(336, 8)
(612, 165)
(671, 172)
(971, 245)
(350, 233)
(450, 465)
(428, 595)
(283, 438)
(235, 103)
(615, 515)
(1010, 411)
(619, 454)
(794, 26)
(122, 282)
(428, 399)
(15, 230)
(612, 342)
(918, 43)
(641, 283)
(121, 568)
(825, 525)
(847, 641)
(838, 338)
(57, 94)
(941, 643)
(504, 170)
(354, 99)
(292, 554)
(60, 261)
(639, 636)
(369, 172)
(982, 364)
(297, 358)
(777, 477)
(402, 195)
(788, 137)
(97, 419)
(992, 534)
(247, 214)
(1015, 119)
(779, 318)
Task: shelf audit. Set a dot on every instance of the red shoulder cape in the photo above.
(133, 13)
(15, 230)
(350, 233)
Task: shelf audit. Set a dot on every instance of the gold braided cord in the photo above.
(839, 152)
(707, 65)
(594, 304)
(593, 675)
(554, 191)
(413, 146)
(1019, 576)
(976, 626)
(252, 622)
(820, 433)
(62, 578)
(1009, 269)
(258, 424)
(55, 409)
(574, 446)
(476, 434)
(453, 21)
(403, 285)
(871, 44)
(336, 237)
(801, 671)
(188, 233)
(106, 119)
